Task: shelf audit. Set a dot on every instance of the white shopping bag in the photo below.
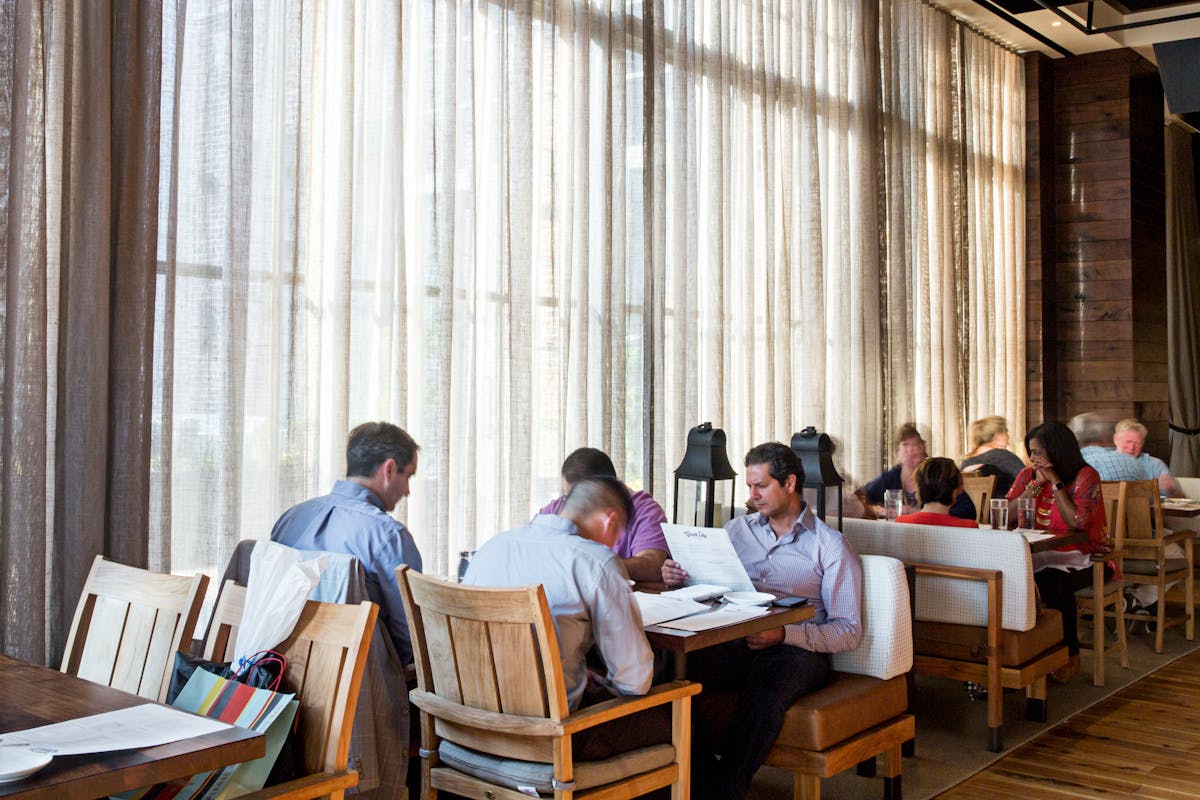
(279, 585)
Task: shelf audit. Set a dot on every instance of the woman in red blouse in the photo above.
(1066, 492)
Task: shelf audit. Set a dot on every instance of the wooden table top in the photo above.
(32, 695)
(1181, 513)
(689, 641)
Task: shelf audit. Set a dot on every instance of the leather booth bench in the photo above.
(975, 611)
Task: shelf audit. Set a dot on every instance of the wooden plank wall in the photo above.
(1104, 296)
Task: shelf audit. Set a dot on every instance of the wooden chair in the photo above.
(979, 489)
(128, 625)
(1112, 604)
(492, 698)
(1138, 531)
(326, 654)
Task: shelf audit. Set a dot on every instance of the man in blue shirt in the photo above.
(355, 519)
(1095, 434)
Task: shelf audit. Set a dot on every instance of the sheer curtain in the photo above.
(516, 229)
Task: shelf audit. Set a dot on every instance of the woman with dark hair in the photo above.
(939, 484)
(1066, 493)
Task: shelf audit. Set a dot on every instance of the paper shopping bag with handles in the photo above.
(228, 700)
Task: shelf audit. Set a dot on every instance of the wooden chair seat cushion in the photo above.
(521, 775)
(1109, 588)
(849, 704)
(1147, 567)
(969, 642)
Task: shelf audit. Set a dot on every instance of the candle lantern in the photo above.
(704, 480)
(816, 454)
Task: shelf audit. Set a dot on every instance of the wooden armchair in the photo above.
(1139, 532)
(494, 716)
(979, 488)
(326, 654)
(1112, 604)
(128, 625)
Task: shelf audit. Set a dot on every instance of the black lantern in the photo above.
(816, 454)
(704, 480)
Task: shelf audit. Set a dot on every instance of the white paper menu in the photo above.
(146, 725)
(708, 556)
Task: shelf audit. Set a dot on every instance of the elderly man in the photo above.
(785, 549)
(643, 548)
(355, 518)
(1130, 438)
(1094, 432)
(570, 555)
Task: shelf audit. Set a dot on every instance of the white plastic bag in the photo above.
(279, 585)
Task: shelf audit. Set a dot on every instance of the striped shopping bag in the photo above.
(228, 700)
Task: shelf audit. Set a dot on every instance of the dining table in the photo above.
(680, 642)
(32, 696)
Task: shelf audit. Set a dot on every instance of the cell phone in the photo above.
(789, 602)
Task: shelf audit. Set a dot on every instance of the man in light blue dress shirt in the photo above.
(355, 519)
(570, 555)
(1095, 434)
(787, 550)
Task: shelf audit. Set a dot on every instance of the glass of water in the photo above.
(999, 517)
(893, 504)
(1025, 511)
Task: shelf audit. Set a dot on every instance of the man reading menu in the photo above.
(786, 549)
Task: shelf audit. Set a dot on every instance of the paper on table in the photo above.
(146, 725)
(656, 608)
(708, 556)
(726, 615)
(1036, 536)
(697, 591)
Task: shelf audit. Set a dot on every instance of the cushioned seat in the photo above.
(969, 642)
(1147, 566)
(519, 775)
(848, 705)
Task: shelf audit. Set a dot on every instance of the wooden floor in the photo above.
(1143, 741)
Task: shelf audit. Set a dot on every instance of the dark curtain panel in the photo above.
(80, 170)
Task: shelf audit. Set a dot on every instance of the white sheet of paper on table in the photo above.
(708, 556)
(723, 615)
(1036, 536)
(657, 609)
(147, 725)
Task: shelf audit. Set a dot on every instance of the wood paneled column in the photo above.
(1096, 240)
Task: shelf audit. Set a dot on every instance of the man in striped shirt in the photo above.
(786, 549)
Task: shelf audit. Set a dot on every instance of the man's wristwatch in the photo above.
(1058, 487)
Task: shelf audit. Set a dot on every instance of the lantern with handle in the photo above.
(704, 480)
(815, 451)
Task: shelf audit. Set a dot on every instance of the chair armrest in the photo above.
(1175, 537)
(962, 573)
(310, 786)
(623, 706)
(1116, 554)
(540, 726)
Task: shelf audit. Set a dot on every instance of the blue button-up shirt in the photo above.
(811, 560)
(351, 520)
(1112, 465)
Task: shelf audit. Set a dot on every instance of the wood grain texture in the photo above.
(1143, 741)
(32, 695)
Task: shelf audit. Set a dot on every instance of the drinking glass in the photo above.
(893, 504)
(999, 517)
(1025, 508)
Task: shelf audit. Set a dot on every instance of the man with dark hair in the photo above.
(355, 519)
(787, 550)
(570, 555)
(643, 547)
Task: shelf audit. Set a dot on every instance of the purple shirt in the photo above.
(644, 531)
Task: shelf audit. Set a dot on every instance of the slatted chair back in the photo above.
(325, 655)
(129, 624)
(1137, 521)
(504, 647)
(979, 488)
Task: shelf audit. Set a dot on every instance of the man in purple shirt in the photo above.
(643, 548)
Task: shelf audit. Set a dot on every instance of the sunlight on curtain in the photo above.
(517, 229)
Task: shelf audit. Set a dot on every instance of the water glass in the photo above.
(1025, 511)
(999, 518)
(893, 504)
(464, 561)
